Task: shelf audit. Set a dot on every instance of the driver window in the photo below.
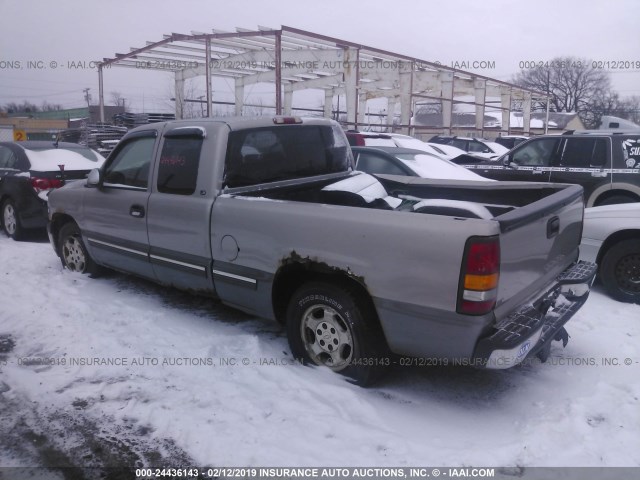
(131, 165)
(537, 153)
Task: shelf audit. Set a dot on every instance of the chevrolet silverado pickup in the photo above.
(268, 216)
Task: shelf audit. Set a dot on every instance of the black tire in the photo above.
(352, 343)
(616, 199)
(10, 219)
(620, 271)
(73, 253)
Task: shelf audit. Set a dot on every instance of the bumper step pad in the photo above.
(531, 330)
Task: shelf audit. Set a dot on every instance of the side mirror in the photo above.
(507, 161)
(93, 180)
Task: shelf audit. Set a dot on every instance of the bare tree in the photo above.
(24, 107)
(573, 84)
(629, 108)
(50, 107)
(190, 109)
(118, 100)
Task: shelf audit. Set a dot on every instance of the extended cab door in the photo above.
(585, 160)
(115, 214)
(180, 209)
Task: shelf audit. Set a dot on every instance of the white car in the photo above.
(409, 162)
(448, 152)
(478, 147)
(611, 238)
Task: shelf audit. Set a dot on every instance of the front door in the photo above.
(115, 220)
(530, 162)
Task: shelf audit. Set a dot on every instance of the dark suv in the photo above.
(606, 164)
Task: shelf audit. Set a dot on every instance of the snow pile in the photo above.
(221, 384)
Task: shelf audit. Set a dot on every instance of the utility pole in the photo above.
(87, 96)
(201, 105)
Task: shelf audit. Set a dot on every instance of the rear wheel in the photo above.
(73, 253)
(11, 220)
(620, 272)
(331, 325)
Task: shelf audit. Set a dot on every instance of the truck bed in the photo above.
(539, 224)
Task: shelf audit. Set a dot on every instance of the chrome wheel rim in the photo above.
(73, 254)
(327, 337)
(9, 219)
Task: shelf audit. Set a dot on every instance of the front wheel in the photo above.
(333, 326)
(11, 220)
(73, 254)
(620, 271)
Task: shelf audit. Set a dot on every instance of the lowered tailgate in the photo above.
(537, 243)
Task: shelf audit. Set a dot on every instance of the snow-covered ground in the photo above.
(167, 386)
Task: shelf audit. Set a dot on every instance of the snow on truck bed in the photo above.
(220, 385)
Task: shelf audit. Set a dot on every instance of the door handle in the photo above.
(137, 211)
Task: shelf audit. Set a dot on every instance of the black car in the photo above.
(606, 164)
(28, 172)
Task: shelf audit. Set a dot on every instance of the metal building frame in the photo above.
(294, 59)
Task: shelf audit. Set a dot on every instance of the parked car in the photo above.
(606, 164)
(369, 139)
(448, 152)
(478, 147)
(372, 139)
(411, 162)
(611, 238)
(268, 216)
(29, 171)
(510, 141)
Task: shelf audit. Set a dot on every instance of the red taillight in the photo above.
(479, 276)
(41, 184)
(359, 141)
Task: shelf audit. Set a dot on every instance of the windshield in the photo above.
(280, 152)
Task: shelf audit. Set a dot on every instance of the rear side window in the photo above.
(284, 152)
(178, 168)
(584, 152)
(8, 159)
(371, 163)
(478, 147)
(461, 144)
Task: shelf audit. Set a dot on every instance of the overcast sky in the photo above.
(500, 31)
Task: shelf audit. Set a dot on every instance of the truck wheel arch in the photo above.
(58, 221)
(601, 195)
(292, 274)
